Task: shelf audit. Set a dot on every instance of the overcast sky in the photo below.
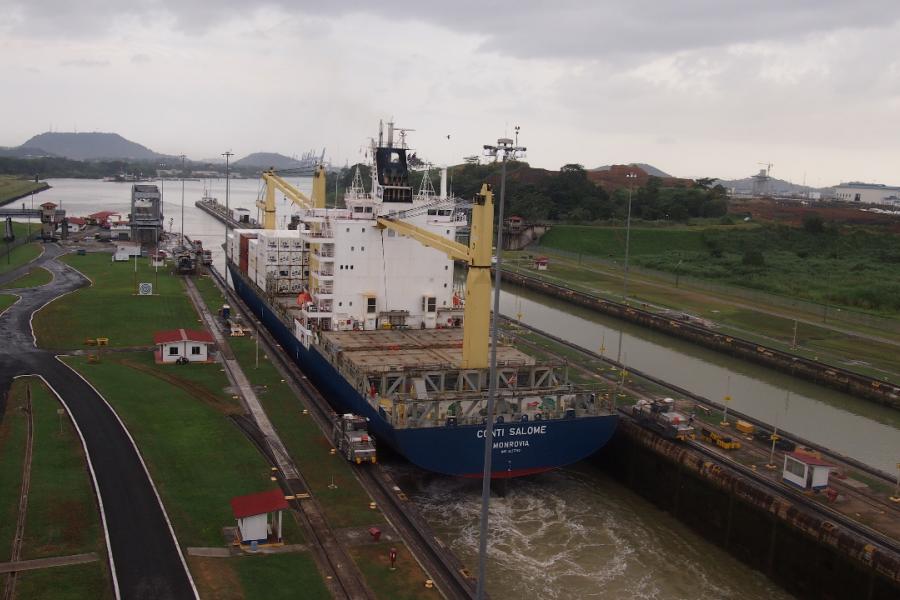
(694, 87)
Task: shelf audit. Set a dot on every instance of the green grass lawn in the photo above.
(74, 582)
(404, 583)
(18, 256)
(7, 300)
(198, 459)
(111, 309)
(852, 266)
(282, 576)
(63, 516)
(610, 241)
(12, 187)
(36, 278)
(12, 454)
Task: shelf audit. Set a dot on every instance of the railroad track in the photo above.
(448, 574)
(817, 371)
(777, 487)
(800, 499)
(800, 441)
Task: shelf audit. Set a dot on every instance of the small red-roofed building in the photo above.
(806, 471)
(182, 346)
(252, 513)
(541, 263)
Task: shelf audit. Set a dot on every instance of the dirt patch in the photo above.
(792, 213)
(216, 578)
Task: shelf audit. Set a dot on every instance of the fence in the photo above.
(7, 248)
(827, 312)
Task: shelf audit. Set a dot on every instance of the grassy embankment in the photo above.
(727, 306)
(15, 187)
(111, 307)
(856, 267)
(35, 278)
(7, 300)
(62, 516)
(179, 419)
(21, 254)
(348, 504)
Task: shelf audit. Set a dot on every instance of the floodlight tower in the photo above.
(504, 150)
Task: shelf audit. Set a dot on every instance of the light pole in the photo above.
(504, 150)
(182, 199)
(227, 156)
(631, 177)
(162, 184)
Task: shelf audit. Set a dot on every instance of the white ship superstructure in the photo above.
(346, 272)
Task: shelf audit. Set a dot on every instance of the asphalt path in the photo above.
(147, 562)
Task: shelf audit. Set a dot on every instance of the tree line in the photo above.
(567, 195)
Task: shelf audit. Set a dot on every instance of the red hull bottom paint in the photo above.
(510, 474)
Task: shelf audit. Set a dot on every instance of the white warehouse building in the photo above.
(868, 193)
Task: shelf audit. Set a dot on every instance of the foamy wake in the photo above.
(576, 534)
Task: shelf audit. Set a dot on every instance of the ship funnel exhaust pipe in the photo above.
(444, 182)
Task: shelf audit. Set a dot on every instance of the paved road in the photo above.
(147, 560)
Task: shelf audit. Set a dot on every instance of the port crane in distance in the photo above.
(477, 255)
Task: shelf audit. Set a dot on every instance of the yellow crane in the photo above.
(477, 255)
(274, 182)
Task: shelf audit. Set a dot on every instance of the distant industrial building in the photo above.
(146, 213)
(868, 193)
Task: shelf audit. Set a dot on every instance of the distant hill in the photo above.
(89, 146)
(648, 169)
(264, 160)
(24, 152)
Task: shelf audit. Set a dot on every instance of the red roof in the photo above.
(258, 504)
(809, 459)
(182, 335)
(76, 220)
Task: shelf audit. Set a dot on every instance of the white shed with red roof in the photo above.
(252, 514)
(806, 471)
(182, 345)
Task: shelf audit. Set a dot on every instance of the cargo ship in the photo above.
(363, 298)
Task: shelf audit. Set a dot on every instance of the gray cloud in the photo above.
(525, 28)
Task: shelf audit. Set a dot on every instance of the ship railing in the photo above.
(408, 412)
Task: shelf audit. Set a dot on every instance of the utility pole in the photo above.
(504, 150)
(227, 156)
(630, 177)
(182, 199)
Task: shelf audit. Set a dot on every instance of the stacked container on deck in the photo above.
(281, 267)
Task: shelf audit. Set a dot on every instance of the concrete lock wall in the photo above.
(828, 375)
(793, 546)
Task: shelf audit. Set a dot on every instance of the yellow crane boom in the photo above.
(274, 182)
(477, 255)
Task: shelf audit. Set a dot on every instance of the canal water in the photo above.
(575, 533)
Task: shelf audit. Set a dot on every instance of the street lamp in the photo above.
(504, 150)
(631, 177)
(182, 199)
(227, 156)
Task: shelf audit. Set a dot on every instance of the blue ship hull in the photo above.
(519, 448)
